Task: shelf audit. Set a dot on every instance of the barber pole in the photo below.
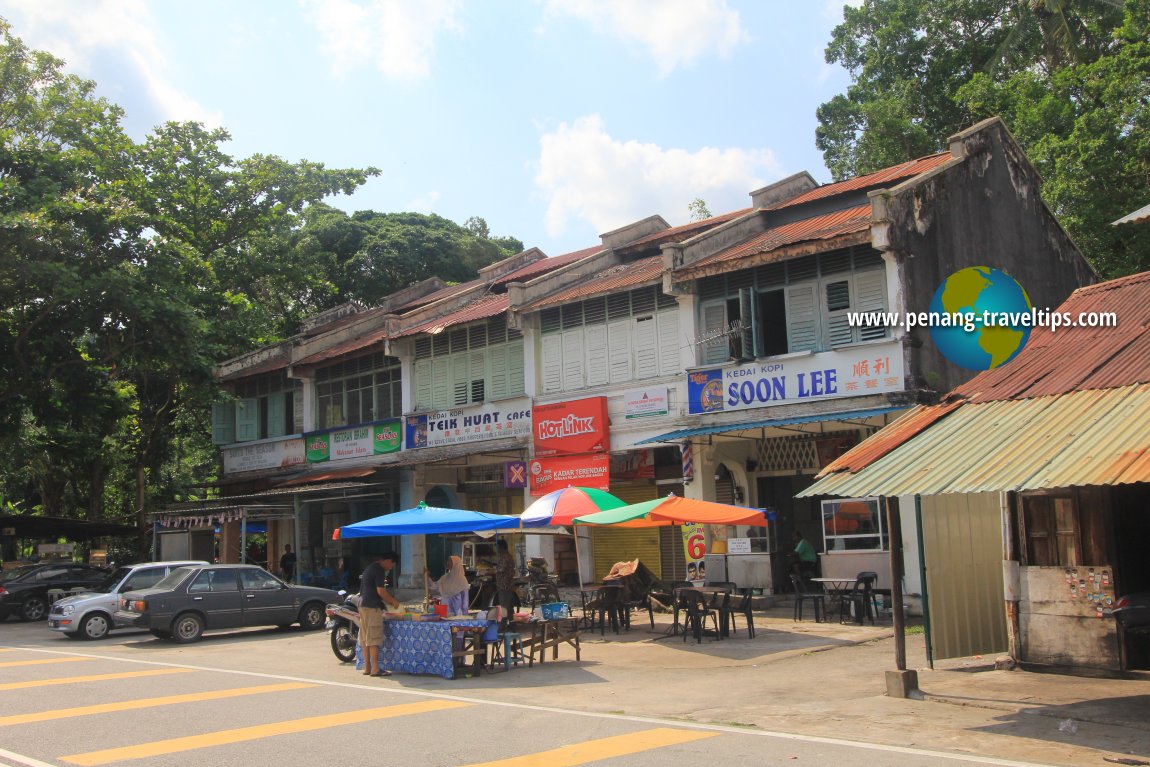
(688, 462)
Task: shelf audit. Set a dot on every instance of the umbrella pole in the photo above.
(578, 559)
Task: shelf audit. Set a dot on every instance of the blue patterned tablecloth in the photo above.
(418, 647)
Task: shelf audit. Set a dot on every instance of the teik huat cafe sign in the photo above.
(356, 442)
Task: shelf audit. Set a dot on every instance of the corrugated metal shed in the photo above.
(618, 278)
(885, 177)
(870, 450)
(480, 308)
(1096, 437)
(823, 227)
(1140, 216)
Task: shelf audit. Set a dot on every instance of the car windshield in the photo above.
(174, 578)
(19, 572)
(110, 582)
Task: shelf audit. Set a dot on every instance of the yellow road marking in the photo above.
(167, 700)
(239, 735)
(92, 678)
(604, 748)
(40, 662)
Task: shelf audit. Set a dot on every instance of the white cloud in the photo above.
(588, 176)
(119, 34)
(674, 32)
(398, 37)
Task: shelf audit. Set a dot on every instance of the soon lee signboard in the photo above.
(576, 426)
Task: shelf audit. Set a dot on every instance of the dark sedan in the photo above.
(192, 600)
(24, 590)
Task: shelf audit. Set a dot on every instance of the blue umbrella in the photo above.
(425, 520)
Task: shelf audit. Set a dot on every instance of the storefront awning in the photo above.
(327, 474)
(681, 434)
(1094, 437)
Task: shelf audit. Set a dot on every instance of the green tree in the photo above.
(698, 209)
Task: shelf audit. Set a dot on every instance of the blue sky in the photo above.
(555, 120)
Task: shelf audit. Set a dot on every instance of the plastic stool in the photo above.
(508, 649)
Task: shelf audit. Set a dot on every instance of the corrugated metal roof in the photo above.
(884, 177)
(439, 295)
(822, 227)
(481, 308)
(877, 445)
(1140, 216)
(1078, 358)
(346, 347)
(680, 434)
(617, 278)
(545, 265)
(327, 475)
(1096, 437)
(267, 366)
(685, 231)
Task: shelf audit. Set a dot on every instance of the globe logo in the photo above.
(984, 295)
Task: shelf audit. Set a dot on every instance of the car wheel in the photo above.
(34, 609)
(95, 626)
(187, 628)
(312, 616)
(158, 634)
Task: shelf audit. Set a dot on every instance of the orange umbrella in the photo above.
(675, 510)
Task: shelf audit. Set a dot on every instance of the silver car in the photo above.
(89, 615)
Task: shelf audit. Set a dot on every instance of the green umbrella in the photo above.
(634, 515)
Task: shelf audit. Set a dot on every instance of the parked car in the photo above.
(1133, 611)
(194, 599)
(89, 615)
(24, 589)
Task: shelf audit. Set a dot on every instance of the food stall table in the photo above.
(429, 647)
(550, 634)
(837, 589)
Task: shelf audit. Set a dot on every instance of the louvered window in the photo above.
(472, 364)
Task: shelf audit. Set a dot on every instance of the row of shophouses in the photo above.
(714, 360)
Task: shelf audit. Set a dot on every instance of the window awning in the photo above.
(681, 434)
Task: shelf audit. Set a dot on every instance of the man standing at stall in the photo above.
(287, 563)
(373, 595)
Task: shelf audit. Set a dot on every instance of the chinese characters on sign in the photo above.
(468, 424)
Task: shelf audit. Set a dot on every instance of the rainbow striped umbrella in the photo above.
(562, 506)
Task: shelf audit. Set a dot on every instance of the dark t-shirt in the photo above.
(373, 575)
(287, 563)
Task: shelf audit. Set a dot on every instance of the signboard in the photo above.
(634, 464)
(589, 470)
(738, 545)
(869, 369)
(356, 442)
(264, 455)
(514, 475)
(468, 424)
(567, 428)
(638, 403)
(694, 549)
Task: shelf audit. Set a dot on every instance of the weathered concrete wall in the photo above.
(1062, 628)
(984, 210)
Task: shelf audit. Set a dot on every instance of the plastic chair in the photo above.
(607, 606)
(742, 607)
(861, 599)
(676, 587)
(695, 614)
(818, 599)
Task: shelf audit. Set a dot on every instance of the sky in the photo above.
(553, 120)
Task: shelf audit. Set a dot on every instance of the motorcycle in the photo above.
(343, 623)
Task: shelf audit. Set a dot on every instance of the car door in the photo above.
(216, 593)
(266, 601)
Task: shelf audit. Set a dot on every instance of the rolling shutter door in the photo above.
(611, 545)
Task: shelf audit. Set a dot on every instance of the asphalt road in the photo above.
(281, 697)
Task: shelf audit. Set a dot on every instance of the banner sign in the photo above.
(634, 464)
(591, 470)
(264, 455)
(576, 426)
(694, 549)
(357, 442)
(643, 402)
(469, 424)
(869, 369)
(514, 475)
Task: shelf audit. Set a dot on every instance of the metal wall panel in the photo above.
(962, 542)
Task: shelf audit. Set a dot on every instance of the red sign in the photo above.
(590, 470)
(566, 428)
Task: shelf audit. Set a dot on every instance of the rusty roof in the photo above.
(270, 365)
(439, 295)
(1096, 437)
(822, 227)
(481, 308)
(617, 278)
(913, 422)
(549, 264)
(684, 231)
(346, 347)
(1070, 359)
(885, 177)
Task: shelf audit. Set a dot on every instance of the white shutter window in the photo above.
(619, 350)
(870, 296)
(277, 417)
(247, 419)
(477, 378)
(573, 362)
(715, 350)
(223, 423)
(441, 391)
(515, 368)
(552, 370)
(750, 334)
(646, 348)
(422, 372)
(838, 306)
(598, 373)
(802, 318)
(669, 363)
(497, 375)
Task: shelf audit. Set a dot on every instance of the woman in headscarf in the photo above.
(453, 587)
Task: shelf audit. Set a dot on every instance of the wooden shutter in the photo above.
(422, 372)
(498, 369)
(646, 347)
(515, 367)
(573, 362)
(247, 419)
(223, 423)
(598, 373)
(838, 304)
(870, 296)
(552, 363)
(441, 391)
(716, 350)
(277, 417)
(460, 379)
(619, 350)
(669, 362)
(748, 314)
(802, 318)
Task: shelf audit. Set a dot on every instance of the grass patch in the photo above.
(913, 630)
